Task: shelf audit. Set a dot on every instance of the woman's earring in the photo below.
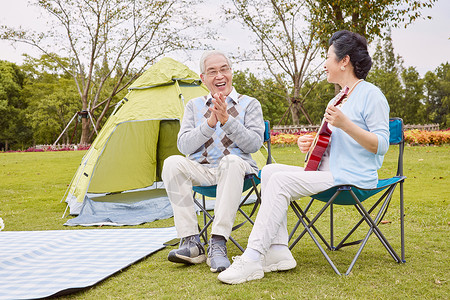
(342, 68)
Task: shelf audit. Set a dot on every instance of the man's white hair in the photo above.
(207, 54)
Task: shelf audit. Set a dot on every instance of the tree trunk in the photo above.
(85, 131)
(295, 111)
(295, 107)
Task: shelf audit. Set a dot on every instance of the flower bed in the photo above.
(422, 137)
(412, 137)
(282, 139)
(45, 148)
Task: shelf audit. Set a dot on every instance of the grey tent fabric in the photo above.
(118, 214)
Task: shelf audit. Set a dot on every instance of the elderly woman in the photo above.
(359, 141)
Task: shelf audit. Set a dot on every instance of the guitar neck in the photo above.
(316, 151)
(343, 95)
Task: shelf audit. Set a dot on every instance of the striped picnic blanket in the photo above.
(37, 264)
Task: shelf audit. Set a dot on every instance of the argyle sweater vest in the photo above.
(219, 144)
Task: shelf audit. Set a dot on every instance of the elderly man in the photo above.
(218, 133)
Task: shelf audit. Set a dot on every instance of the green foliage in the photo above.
(268, 93)
(415, 100)
(437, 100)
(317, 100)
(285, 43)
(414, 109)
(53, 99)
(367, 18)
(391, 87)
(385, 75)
(14, 132)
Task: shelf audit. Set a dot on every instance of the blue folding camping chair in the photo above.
(352, 195)
(251, 182)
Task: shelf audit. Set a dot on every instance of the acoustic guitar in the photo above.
(322, 139)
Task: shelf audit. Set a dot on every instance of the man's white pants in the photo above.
(180, 174)
(279, 184)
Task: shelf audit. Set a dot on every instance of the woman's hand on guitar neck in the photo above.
(304, 142)
(335, 117)
(367, 139)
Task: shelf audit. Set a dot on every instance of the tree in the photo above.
(268, 92)
(285, 42)
(412, 96)
(107, 39)
(437, 99)
(13, 128)
(290, 34)
(52, 99)
(368, 18)
(385, 74)
(318, 99)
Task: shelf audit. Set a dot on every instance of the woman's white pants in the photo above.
(279, 184)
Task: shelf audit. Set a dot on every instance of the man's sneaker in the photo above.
(242, 270)
(278, 260)
(191, 251)
(217, 256)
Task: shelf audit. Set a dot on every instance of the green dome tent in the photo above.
(129, 150)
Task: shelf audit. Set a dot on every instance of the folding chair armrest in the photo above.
(267, 140)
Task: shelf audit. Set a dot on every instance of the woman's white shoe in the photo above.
(242, 270)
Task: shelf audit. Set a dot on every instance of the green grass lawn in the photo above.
(32, 185)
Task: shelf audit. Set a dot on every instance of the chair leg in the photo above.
(375, 228)
(343, 243)
(364, 241)
(291, 234)
(372, 223)
(255, 206)
(319, 246)
(299, 212)
(363, 244)
(203, 232)
(302, 215)
(237, 244)
(208, 218)
(331, 227)
(402, 222)
(310, 225)
(204, 216)
(369, 233)
(247, 217)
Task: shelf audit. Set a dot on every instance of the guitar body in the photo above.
(319, 146)
(321, 141)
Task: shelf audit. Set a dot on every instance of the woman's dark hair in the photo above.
(355, 46)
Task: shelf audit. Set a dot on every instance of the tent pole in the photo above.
(117, 106)
(67, 206)
(92, 122)
(180, 95)
(70, 122)
(67, 190)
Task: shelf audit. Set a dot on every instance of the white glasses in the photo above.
(213, 73)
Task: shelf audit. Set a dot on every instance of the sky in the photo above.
(424, 44)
